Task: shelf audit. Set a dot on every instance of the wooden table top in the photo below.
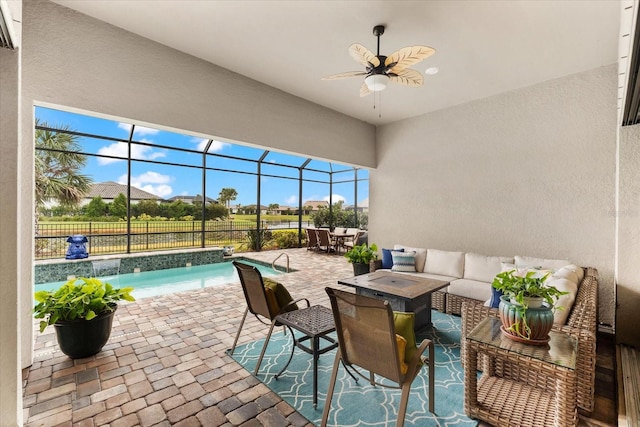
(396, 284)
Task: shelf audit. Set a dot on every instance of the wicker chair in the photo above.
(367, 341)
(262, 303)
(581, 324)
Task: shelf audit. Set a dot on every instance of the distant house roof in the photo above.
(191, 199)
(262, 207)
(316, 204)
(110, 190)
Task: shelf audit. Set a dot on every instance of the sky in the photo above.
(108, 163)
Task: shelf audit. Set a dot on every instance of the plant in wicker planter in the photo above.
(81, 311)
(526, 306)
(361, 256)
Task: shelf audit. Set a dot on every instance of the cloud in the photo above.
(291, 200)
(336, 198)
(152, 182)
(119, 149)
(215, 145)
(139, 130)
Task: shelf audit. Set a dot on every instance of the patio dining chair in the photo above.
(312, 239)
(349, 244)
(369, 340)
(325, 242)
(266, 299)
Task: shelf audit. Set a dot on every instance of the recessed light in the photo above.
(431, 71)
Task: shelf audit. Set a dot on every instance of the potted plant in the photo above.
(81, 311)
(361, 256)
(526, 306)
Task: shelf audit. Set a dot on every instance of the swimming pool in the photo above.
(160, 282)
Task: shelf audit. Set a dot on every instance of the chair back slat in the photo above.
(366, 333)
(253, 289)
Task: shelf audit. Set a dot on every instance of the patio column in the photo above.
(16, 226)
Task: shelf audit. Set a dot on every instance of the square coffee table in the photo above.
(403, 291)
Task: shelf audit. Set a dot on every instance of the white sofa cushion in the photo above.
(483, 268)
(566, 272)
(437, 277)
(566, 301)
(470, 289)
(446, 263)
(547, 264)
(421, 255)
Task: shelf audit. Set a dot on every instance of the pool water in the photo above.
(160, 282)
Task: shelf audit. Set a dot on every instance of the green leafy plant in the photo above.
(531, 284)
(362, 254)
(81, 298)
(518, 288)
(286, 239)
(257, 240)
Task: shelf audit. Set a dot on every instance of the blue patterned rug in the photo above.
(360, 404)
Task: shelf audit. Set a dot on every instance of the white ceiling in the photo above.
(482, 47)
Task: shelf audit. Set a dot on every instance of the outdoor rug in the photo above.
(360, 404)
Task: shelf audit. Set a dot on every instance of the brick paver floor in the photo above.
(165, 363)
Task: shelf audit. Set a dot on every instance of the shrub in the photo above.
(286, 238)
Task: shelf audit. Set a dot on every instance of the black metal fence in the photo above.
(111, 237)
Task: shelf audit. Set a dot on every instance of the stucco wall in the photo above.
(12, 226)
(628, 284)
(77, 61)
(529, 172)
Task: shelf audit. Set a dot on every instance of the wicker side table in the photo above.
(521, 384)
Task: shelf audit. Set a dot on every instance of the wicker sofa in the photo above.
(470, 276)
(581, 324)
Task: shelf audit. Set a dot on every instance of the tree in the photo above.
(96, 208)
(57, 168)
(118, 207)
(226, 196)
(149, 207)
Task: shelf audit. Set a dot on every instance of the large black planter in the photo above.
(84, 338)
(359, 269)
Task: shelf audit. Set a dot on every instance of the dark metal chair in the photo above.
(367, 341)
(262, 303)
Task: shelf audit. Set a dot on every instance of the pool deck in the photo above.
(165, 363)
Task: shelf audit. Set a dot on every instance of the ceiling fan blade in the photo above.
(345, 75)
(363, 56)
(407, 56)
(408, 78)
(364, 90)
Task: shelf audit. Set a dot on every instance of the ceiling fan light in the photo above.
(377, 82)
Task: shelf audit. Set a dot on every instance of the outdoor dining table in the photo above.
(340, 236)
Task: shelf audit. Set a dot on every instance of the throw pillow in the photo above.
(277, 296)
(494, 302)
(404, 324)
(403, 261)
(401, 343)
(387, 261)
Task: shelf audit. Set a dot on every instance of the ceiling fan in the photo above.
(382, 69)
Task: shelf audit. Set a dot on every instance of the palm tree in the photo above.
(57, 168)
(226, 196)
